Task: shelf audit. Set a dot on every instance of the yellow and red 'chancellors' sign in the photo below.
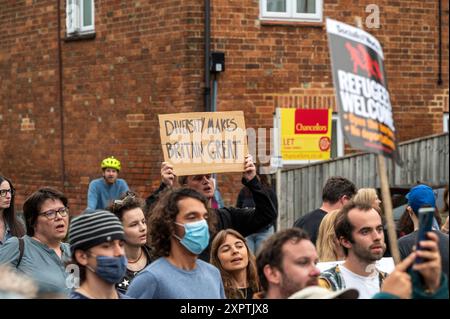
(305, 134)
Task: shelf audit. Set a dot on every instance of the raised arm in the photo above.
(167, 180)
(251, 220)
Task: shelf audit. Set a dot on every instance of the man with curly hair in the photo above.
(179, 231)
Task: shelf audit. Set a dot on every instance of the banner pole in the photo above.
(387, 205)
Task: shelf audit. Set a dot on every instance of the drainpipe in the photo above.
(439, 81)
(61, 99)
(214, 94)
(207, 36)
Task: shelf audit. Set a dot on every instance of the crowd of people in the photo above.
(179, 243)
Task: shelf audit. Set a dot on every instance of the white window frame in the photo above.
(290, 14)
(445, 122)
(339, 135)
(75, 18)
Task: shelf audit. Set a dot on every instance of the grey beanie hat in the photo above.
(88, 230)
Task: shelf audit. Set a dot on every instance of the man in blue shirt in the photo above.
(102, 191)
(179, 225)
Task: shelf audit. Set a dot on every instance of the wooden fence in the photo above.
(425, 159)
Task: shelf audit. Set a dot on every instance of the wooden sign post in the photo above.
(387, 205)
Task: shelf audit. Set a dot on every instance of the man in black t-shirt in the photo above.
(336, 192)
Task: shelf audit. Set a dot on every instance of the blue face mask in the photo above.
(111, 269)
(196, 236)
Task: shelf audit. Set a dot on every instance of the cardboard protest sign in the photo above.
(204, 142)
(361, 90)
(305, 135)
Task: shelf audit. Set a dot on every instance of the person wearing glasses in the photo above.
(10, 224)
(41, 253)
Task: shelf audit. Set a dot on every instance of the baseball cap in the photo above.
(420, 196)
(316, 292)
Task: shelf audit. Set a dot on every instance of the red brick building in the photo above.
(69, 100)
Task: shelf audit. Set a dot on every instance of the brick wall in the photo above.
(30, 120)
(141, 63)
(147, 58)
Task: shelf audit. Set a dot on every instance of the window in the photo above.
(80, 17)
(445, 119)
(337, 139)
(291, 10)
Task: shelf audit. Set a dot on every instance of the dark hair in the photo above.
(271, 251)
(9, 214)
(33, 204)
(231, 290)
(162, 218)
(405, 224)
(436, 213)
(127, 201)
(182, 180)
(336, 187)
(264, 180)
(342, 225)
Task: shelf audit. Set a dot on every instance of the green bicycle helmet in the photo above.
(111, 162)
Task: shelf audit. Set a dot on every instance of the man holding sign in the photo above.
(245, 220)
(195, 145)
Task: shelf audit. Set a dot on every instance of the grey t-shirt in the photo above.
(162, 280)
(406, 243)
(39, 262)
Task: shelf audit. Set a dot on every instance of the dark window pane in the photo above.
(276, 5)
(306, 6)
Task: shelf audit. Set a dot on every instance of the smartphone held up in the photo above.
(426, 215)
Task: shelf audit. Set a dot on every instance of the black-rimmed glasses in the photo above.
(51, 214)
(3, 192)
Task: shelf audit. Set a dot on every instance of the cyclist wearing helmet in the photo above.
(103, 191)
